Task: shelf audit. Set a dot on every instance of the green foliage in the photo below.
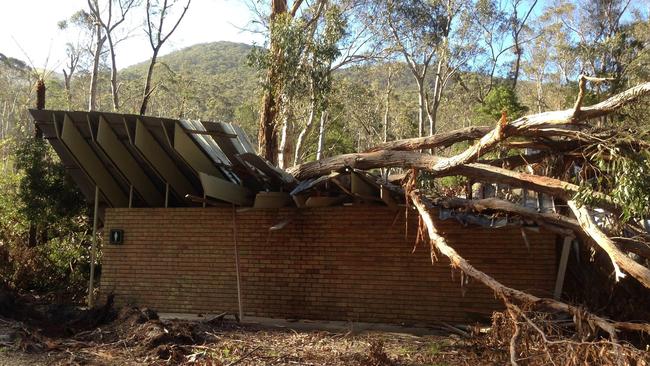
(621, 173)
(48, 194)
(206, 81)
(499, 99)
(59, 261)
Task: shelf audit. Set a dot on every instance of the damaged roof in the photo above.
(142, 161)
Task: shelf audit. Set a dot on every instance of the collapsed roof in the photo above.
(142, 161)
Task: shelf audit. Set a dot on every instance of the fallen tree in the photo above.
(571, 175)
(507, 294)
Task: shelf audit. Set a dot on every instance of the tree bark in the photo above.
(428, 162)
(99, 45)
(507, 294)
(321, 134)
(445, 139)
(114, 86)
(619, 259)
(530, 123)
(284, 149)
(271, 102)
(146, 95)
(389, 91)
(421, 104)
(297, 159)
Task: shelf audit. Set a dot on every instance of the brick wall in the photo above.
(339, 263)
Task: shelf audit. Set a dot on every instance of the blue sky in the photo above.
(32, 24)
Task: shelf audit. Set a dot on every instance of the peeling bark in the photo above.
(439, 140)
(508, 294)
(619, 259)
(475, 171)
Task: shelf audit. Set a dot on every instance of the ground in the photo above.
(139, 338)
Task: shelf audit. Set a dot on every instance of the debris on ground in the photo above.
(136, 336)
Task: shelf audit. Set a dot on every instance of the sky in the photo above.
(28, 29)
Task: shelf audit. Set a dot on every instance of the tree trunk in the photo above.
(517, 64)
(271, 101)
(147, 84)
(540, 93)
(66, 84)
(114, 86)
(432, 113)
(283, 151)
(507, 294)
(321, 134)
(99, 44)
(428, 162)
(439, 140)
(421, 106)
(389, 90)
(297, 159)
(619, 259)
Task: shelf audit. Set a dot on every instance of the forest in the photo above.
(341, 77)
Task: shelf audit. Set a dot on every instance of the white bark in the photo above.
(321, 134)
(283, 149)
(99, 45)
(297, 159)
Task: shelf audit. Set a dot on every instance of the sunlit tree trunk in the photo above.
(99, 45)
(268, 134)
(297, 159)
(321, 134)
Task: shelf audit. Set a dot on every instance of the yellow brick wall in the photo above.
(338, 263)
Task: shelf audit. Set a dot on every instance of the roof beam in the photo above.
(91, 164)
(161, 162)
(127, 165)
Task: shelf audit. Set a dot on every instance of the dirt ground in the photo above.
(37, 332)
(138, 338)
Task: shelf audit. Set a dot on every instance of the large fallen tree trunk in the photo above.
(508, 294)
(444, 139)
(555, 130)
(618, 258)
(476, 171)
(527, 126)
(569, 226)
(499, 205)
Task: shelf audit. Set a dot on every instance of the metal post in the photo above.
(561, 271)
(166, 195)
(93, 251)
(234, 231)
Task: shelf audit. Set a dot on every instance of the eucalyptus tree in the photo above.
(276, 61)
(416, 29)
(307, 44)
(502, 27)
(110, 16)
(457, 46)
(517, 27)
(90, 27)
(606, 38)
(338, 40)
(158, 12)
(73, 54)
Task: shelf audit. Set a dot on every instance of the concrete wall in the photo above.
(339, 263)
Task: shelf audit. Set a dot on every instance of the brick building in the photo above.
(202, 226)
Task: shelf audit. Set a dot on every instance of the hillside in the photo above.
(204, 58)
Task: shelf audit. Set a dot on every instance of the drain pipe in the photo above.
(234, 232)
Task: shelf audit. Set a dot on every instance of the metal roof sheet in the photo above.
(149, 161)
